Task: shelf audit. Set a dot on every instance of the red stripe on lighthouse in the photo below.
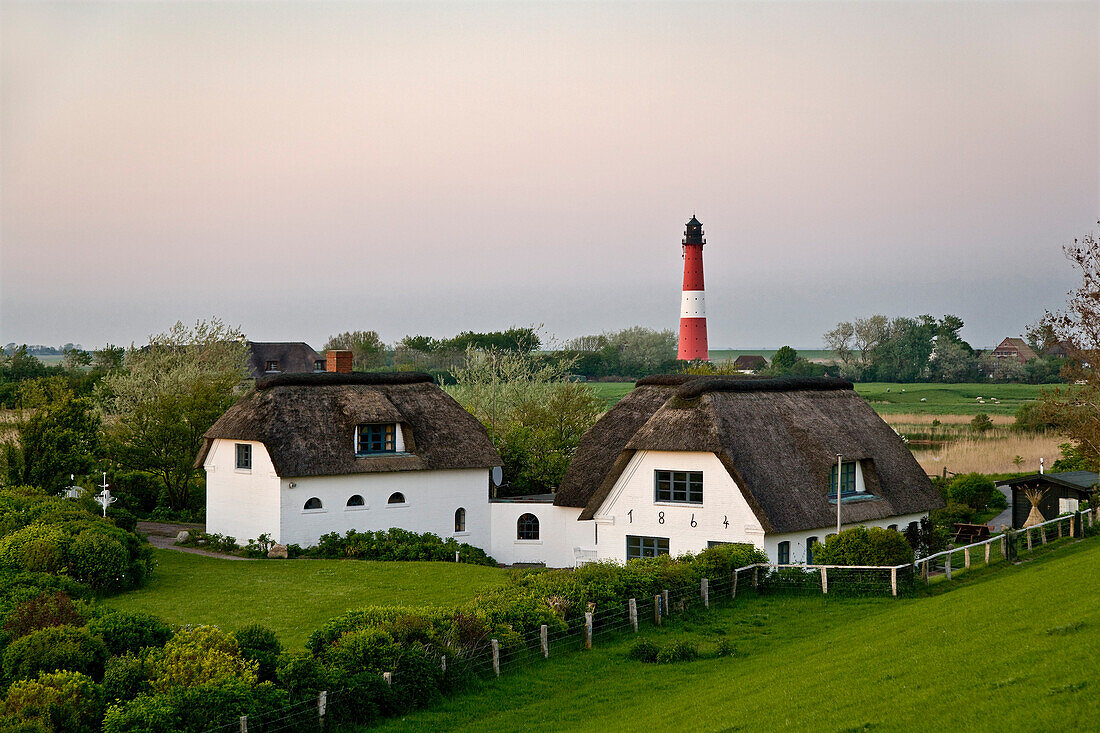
(693, 313)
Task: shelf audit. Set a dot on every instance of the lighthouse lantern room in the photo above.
(693, 310)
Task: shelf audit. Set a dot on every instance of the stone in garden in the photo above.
(183, 536)
(277, 551)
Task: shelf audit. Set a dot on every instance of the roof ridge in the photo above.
(342, 378)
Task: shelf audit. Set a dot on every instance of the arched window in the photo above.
(396, 498)
(784, 553)
(313, 503)
(356, 500)
(810, 550)
(460, 520)
(527, 528)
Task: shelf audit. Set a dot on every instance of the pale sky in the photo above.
(301, 169)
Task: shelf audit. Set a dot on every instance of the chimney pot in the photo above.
(338, 361)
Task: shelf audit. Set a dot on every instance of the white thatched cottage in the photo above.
(307, 454)
(682, 463)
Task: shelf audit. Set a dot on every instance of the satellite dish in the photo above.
(497, 475)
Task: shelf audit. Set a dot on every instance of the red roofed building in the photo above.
(1015, 348)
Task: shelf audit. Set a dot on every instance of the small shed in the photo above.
(1064, 493)
(750, 363)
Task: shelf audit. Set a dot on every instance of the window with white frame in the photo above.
(356, 500)
(372, 439)
(1067, 505)
(681, 487)
(847, 479)
(527, 527)
(784, 554)
(312, 504)
(244, 456)
(645, 546)
(271, 366)
(396, 498)
(460, 520)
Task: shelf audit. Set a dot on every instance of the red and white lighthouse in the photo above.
(693, 309)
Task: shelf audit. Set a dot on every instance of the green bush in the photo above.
(38, 548)
(302, 676)
(122, 519)
(204, 655)
(981, 423)
(58, 702)
(124, 632)
(416, 677)
(952, 514)
(678, 651)
(643, 650)
(195, 709)
(45, 610)
(261, 646)
(125, 678)
(396, 544)
(54, 648)
(369, 649)
(972, 489)
(864, 546)
(725, 648)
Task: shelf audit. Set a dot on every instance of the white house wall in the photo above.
(559, 534)
(631, 508)
(241, 503)
(798, 539)
(431, 498)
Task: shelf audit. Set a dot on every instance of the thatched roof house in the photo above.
(777, 438)
(307, 422)
(282, 357)
(750, 363)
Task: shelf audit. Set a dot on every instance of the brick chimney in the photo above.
(338, 361)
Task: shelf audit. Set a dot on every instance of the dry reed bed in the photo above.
(904, 419)
(993, 454)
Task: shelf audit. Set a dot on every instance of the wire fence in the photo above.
(334, 708)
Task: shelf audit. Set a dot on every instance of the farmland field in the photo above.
(810, 354)
(293, 597)
(1013, 649)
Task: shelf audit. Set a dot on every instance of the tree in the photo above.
(839, 340)
(76, 358)
(57, 435)
(954, 362)
(785, 359)
(367, 349)
(1075, 410)
(109, 358)
(170, 394)
(868, 334)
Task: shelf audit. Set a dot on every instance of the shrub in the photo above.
(396, 544)
(1030, 418)
(678, 651)
(416, 677)
(302, 676)
(981, 423)
(864, 546)
(124, 632)
(99, 560)
(39, 548)
(972, 489)
(47, 609)
(927, 537)
(54, 648)
(61, 702)
(644, 650)
(952, 514)
(725, 648)
(369, 649)
(200, 708)
(261, 646)
(123, 519)
(204, 655)
(125, 678)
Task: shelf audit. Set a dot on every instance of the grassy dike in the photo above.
(1012, 648)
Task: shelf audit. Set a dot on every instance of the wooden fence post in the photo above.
(665, 608)
(387, 677)
(244, 724)
(733, 586)
(704, 591)
(756, 577)
(657, 609)
(1072, 524)
(456, 555)
(1043, 533)
(893, 581)
(987, 550)
(1028, 532)
(322, 704)
(947, 566)
(1059, 523)
(924, 571)
(966, 557)
(544, 641)
(588, 630)
(632, 606)
(824, 580)
(443, 662)
(496, 656)
(1004, 546)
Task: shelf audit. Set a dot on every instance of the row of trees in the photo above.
(878, 349)
(427, 353)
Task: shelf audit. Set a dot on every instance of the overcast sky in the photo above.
(413, 168)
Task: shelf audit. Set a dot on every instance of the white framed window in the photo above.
(784, 553)
(271, 366)
(1067, 506)
(527, 527)
(355, 501)
(396, 499)
(244, 457)
(680, 487)
(460, 520)
(313, 504)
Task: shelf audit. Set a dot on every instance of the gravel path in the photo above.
(163, 535)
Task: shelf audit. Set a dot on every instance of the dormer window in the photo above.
(318, 365)
(848, 484)
(271, 366)
(373, 439)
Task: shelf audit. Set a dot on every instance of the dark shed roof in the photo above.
(778, 438)
(1083, 480)
(294, 357)
(750, 361)
(307, 422)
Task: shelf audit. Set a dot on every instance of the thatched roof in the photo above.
(750, 361)
(307, 423)
(292, 356)
(778, 438)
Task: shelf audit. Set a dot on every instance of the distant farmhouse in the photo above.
(1015, 348)
(750, 363)
(679, 464)
(268, 357)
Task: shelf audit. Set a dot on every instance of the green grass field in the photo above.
(293, 598)
(941, 399)
(1010, 649)
(811, 354)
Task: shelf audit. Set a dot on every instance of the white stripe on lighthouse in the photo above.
(693, 304)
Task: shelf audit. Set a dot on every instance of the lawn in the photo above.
(947, 399)
(1010, 649)
(293, 597)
